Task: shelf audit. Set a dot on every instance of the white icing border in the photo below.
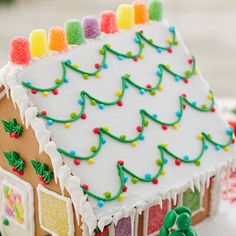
(30, 197)
(41, 188)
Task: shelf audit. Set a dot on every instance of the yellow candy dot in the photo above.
(109, 45)
(209, 96)
(168, 66)
(196, 72)
(76, 66)
(200, 136)
(98, 75)
(45, 94)
(91, 161)
(121, 197)
(226, 148)
(67, 125)
(170, 40)
(141, 56)
(163, 172)
(134, 144)
(118, 93)
(160, 87)
(175, 126)
(106, 128)
(164, 145)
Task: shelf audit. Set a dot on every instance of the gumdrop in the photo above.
(74, 32)
(19, 51)
(125, 16)
(141, 12)
(91, 27)
(155, 10)
(108, 23)
(57, 39)
(38, 43)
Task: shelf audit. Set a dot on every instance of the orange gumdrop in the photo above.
(141, 12)
(57, 39)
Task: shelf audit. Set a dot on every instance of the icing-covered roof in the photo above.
(128, 114)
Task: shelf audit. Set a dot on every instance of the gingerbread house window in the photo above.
(192, 199)
(124, 227)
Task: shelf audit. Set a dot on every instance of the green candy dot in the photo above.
(152, 92)
(142, 45)
(123, 137)
(93, 102)
(183, 221)
(146, 123)
(159, 162)
(74, 32)
(150, 40)
(170, 219)
(164, 231)
(93, 148)
(107, 194)
(134, 180)
(155, 10)
(101, 52)
(198, 163)
(6, 221)
(129, 53)
(85, 76)
(187, 72)
(204, 106)
(57, 81)
(73, 115)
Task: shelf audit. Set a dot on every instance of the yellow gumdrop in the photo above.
(38, 43)
(125, 16)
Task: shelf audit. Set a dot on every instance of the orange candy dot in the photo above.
(141, 12)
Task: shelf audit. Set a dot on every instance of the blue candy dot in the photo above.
(165, 160)
(186, 158)
(136, 40)
(101, 106)
(72, 152)
(154, 116)
(125, 178)
(80, 101)
(126, 85)
(100, 203)
(50, 122)
(159, 73)
(217, 147)
(104, 141)
(177, 78)
(141, 91)
(68, 62)
(194, 103)
(159, 50)
(120, 58)
(229, 131)
(147, 176)
(142, 137)
(66, 80)
(105, 66)
(172, 29)
(206, 146)
(178, 113)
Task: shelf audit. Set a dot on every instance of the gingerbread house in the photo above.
(107, 125)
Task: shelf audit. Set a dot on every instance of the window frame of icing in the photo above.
(132, 215)
(24, 189)
(201, 208)
(146, 216)
(41, 188)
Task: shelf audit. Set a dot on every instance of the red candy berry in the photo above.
(213, 109)
(96, 130)
(177, 162)
(155, 181)
(97, 66)
(169, 50)
(40, 177)
(76, 162)
(55, 91)
(164, 127)
(14, 169)
(190, 61)
(139, 128)
(85, 186)
(83, 116)
(20, 173)
(44, 113)
(120, 103)
(14, 135)
(33, 91)
(125, 189)
(149, 86)
(120, 162)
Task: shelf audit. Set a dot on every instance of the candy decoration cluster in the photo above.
(75, 32)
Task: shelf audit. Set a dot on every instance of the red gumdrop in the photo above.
(108, 23)
(19, 51)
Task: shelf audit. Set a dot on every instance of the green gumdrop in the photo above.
(183, 221)
(163, 231)
(191, 232)
(170, 219)
(181, 209)
(74, 32)
(155, 10)
(176, 233)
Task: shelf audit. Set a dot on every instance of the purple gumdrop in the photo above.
(91, 27)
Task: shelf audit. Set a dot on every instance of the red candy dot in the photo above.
(184, 106)
(55, 91)
(76, 162)
(33, 91)
(141, 31)
(125, 189)
(83, 116)
(212, 180)
(233, 141)
(148, 86)
(177, 162)
(135, 59)
(97, 66)
(85, 186)
(120, 103)
(164, 127)
(139, 128)
(190, 61)
(213, 109)
(44, 113)
(186, 81)
(96, 130)
(120, 162)
(169, 50)
(184, 95)
(155, 181)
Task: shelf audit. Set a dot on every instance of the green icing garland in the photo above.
(15, 161)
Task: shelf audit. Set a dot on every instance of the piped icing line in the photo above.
(160, 162)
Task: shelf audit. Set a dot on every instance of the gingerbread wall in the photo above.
(28, 149)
